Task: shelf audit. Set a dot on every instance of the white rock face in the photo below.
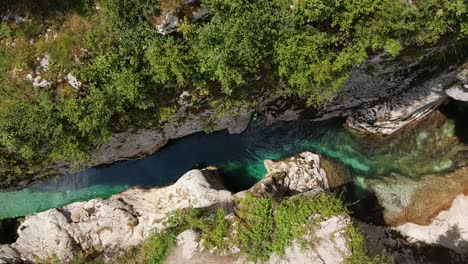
(187, 240)
(298, 174)
(168, 24)
(74, 82)
(449, 228)
(393, 114)
(115, 224)
(458, 92)
(330, 245)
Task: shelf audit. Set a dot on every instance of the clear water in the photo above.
(240, 158)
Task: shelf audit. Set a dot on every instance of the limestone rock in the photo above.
(398, 111)
(458, 92)
(384, 94)
(9, 255)
(170, 19)
(298, 174)
(187, 240)
(145, 141)
(330, 245)
(115, 224)
(168, 24)
(405, 199)
(74, 82)
(449, 228)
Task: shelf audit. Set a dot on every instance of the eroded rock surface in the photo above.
(330, 246)
(110, 226)
(449, 228)
(401, 110)
(298, 174)
(301, 174)
(385, 94)
(142, 142)
(113, 225)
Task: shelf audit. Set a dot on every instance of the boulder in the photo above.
(328, 244)
(9, 255)
(110, 226)
(400, 110)
(168, 24)
(459, 93)
(291, 176)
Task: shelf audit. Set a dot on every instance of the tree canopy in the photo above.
(129, 71)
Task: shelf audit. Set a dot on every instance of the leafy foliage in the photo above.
(260, 228)
(266, 227)
(130, 72)
(237, 41)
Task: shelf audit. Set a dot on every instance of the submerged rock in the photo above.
(449, 228)
(418, 201)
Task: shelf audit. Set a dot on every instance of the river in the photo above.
(371, 164)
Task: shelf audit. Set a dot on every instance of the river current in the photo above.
(393, 168)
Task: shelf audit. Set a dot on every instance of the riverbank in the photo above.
(94, 229)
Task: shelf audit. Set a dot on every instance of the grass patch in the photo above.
(153, 251)
(260, 227)
(267, 227)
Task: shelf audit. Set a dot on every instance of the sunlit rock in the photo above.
(458, 93)
(449, 228)
(74, 82)
(168, 24)
(298, 174)
(418, 200)
(115, 224)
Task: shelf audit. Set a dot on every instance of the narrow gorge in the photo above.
(208, 131)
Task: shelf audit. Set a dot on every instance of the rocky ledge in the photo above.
(393, 113)
(108, 227)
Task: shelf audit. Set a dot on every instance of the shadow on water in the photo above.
(8, 230)
(381, 240)
(362, 204)
(458, 111)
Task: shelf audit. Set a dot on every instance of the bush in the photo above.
(260, 228)
(266, 227)
(131, 73)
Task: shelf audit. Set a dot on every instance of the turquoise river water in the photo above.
(240, 158)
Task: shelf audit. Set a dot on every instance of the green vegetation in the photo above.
(259, 227)
(130, 72)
